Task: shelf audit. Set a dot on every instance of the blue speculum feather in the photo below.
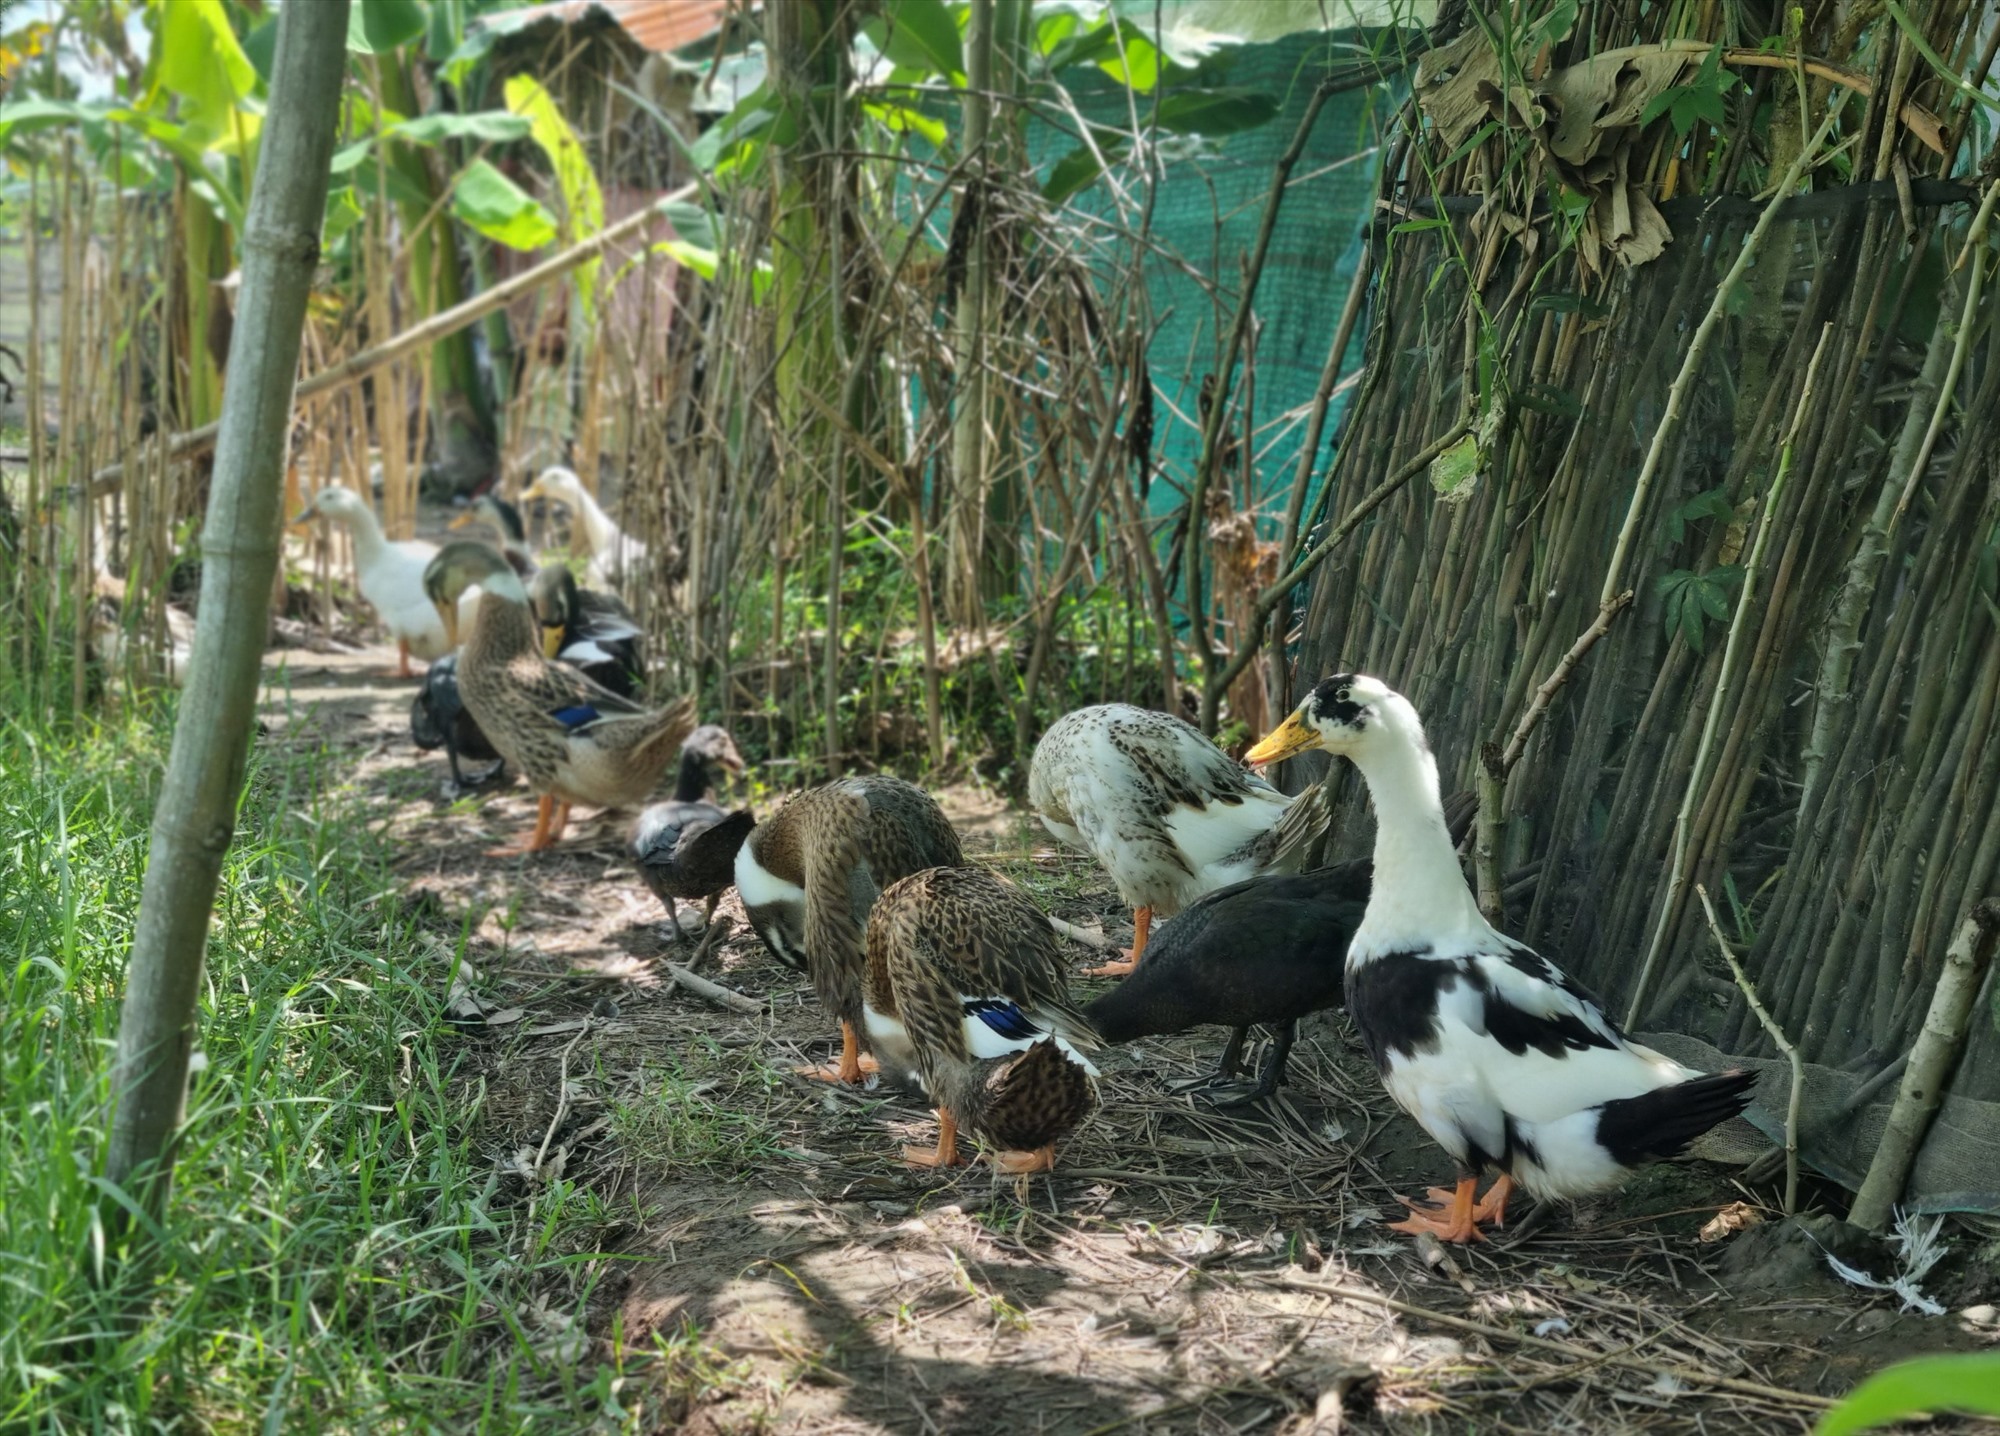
(577, 716)
(1003, 1017)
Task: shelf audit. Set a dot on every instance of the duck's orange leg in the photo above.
(1450, 1223)
(1019, 1164)
(403, 669)
(945, 1154)
(545, 810)
(1142, 926)
(853, 1066)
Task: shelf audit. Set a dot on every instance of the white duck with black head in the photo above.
(1509, 1064)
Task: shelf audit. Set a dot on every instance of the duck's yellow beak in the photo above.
(1290, 737)
(305, 515)
(459, 521)
(552, 637)
(533, 491)
(448, 615)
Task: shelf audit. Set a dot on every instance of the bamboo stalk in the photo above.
(196, 814)
(1928, 1074)
(448, 321)
(1670, 901)
(1784, 1045)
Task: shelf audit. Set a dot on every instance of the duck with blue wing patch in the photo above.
(576, 741)
(1509, 1064)
(965, 987)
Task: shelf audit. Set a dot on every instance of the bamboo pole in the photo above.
(1932, 1059)
(196, 813)
(449, 321)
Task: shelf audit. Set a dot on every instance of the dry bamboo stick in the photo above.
(1784, 1045)
(449, 321)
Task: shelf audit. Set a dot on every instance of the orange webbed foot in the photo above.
(1119, 967)
(1452, 1221)
(1019, 1164)
(944, 1154)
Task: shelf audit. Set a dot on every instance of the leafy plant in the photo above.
(1699, 101)
(1911, 1388)
(1693, 598)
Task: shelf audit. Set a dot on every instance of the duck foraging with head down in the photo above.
(809, 877)
(965, 986)
(1509, 1064)
(1165, 812)
(686, 846)
(440, 719)
(576, 741)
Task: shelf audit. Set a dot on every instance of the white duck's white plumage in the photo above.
(390, 574)
(614, 554)
(1168, 815)
(1500, 1056)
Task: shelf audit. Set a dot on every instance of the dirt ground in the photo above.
(756, 1236)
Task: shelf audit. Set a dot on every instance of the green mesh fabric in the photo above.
(1207, 215)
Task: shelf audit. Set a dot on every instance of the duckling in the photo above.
(389, 575)
(810, 875)
(686, 847)
(576, 741)
(1167, 814)
(438, 719)
(587, 629)
(505, 520)
(1507, 1062)
(965, 987)
(1201, 970)
(615, 555)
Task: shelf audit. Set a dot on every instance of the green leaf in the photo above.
(583, 200)
(375, 27)
(1079, 169)
(1691, 622)
(1455, 472)
(1140, 68)
(491, 126)
(1418, 226)
(1930, 1383)
(1714, 602)
(201, 62)
(922, 35)
(496, 207)
(1215, 112)
(701, 260)
(906, 121)
(692, 224)
(343, 212)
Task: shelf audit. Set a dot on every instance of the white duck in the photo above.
(1501, 1057)
(1168, 815)
(389, 575)
(614, 554)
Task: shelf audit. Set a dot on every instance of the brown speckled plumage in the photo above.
(843, 843)
(1168, 814)
(514, 693)
(942, 937)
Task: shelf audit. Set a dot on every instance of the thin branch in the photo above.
(1784, 1045)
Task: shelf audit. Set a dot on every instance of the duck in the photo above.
(615, 555)
(965, 987)
(1165, 812)
(1507, 1062)
(809, 877)
(587, 629)
(1200, 971)
(439, 719)
(505, 520)
(168, 660)
(576, 741)
(389, 574)
(686, 846)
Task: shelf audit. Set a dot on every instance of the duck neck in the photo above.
(501, 631)
(366, 531)
(1419, 893)
(597, 523)
(691, 786)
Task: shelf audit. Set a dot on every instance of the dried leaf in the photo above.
(1734, 1218)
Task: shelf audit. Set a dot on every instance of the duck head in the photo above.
(1344, 714)
(462, 565)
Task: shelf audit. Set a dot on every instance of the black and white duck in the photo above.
(1509, 1064)
(965, 987)
(809, 877)
(686, 846)
(592, 631)
(1165, 812)
(505, 520)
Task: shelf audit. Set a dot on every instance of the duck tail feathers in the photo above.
(1299, 830)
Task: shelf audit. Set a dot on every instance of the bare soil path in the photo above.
(754, 1238)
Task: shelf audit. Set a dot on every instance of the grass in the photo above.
(334, 1258)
